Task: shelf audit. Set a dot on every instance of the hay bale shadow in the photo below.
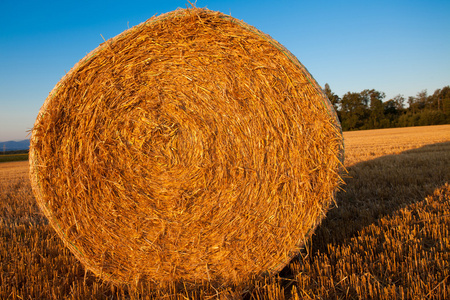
(379, 187)
(376, 189)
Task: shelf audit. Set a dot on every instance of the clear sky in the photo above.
(397, 47)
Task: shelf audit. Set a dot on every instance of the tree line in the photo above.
(368, 110)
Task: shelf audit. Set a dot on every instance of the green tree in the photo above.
(376, 115)
(412, 104)
(334, 99)
(354, 111)
(391, 113)
(441, 99)
(418, 102)
(399, 101)
(366, 110)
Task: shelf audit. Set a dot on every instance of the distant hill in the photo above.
(14, 145)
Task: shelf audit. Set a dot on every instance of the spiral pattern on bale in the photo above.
(191, 147)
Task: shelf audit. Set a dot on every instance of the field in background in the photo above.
(13, 157)
(387, 238)
(369, 144)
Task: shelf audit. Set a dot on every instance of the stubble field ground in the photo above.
(388, 236)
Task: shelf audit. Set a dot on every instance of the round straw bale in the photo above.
(191, 147)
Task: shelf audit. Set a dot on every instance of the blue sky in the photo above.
(397, 47)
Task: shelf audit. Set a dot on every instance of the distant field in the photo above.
(369, 144)
(388, 237)
(13, 157)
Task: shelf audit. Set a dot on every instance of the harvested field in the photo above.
(387, 239)
(369, 144)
